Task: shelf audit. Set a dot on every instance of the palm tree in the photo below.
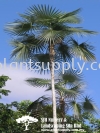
(69, 94)
(44, 30)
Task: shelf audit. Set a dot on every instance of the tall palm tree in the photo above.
(41, 30)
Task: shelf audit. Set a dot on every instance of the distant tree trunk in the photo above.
(62, 108)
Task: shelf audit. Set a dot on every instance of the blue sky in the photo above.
(90, 15)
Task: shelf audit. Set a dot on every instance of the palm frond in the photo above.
(19, 27)
(70, 17)
(83, 50)
(21, 51)
(62, 50)
(66, 93)
(25, 47)
(39, 104)
(37, 82)
(78, 88)
(88, 105)
(52, 34)
(79, 31)
(70, 77)
(76, 107)
(28, 18)
(71, 13)
(58, 31)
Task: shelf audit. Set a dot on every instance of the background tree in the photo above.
(8, 115)
(3, 80)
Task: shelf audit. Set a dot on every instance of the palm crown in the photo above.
(42, 25)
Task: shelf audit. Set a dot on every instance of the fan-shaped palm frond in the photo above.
(69, 77)
(19, 27)
(70, 93)
(77, 109)
(71, 17)
(21, 51)
(88, 105)
(63, 50)
(83, 50)
(37, 82)
(25, 47)
(38, 104)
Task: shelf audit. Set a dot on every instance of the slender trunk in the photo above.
(52, 54)
(62, 108)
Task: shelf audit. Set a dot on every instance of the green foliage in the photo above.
(41, 25)
(3, 80)
(94, 123)
(8, 116)
(69, 94)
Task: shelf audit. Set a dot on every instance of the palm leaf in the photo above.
(43, 13)
(25, 47)
(70, 17)
(38, 104)
(71, 13)
(62, 91)
(28, 18)
(88, 105)
(61, 31)
(19, 27)
(76, 107)
(37, 82)
(63, 50)
(79, 31)
(69, 77)
(83, 50)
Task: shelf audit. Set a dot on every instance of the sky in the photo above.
(90, 14)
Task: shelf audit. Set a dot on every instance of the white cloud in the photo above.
(20, 90)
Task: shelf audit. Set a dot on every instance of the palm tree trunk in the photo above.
(62, 107)
(52, 54)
